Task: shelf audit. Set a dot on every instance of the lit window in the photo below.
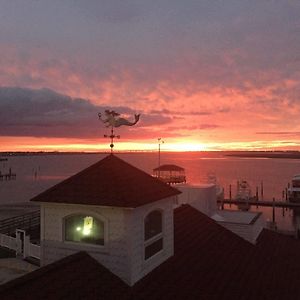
(84, 229)
(153, 233)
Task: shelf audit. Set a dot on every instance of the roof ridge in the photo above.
(212, 221)
(109, 182)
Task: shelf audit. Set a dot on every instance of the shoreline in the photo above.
(281, 155)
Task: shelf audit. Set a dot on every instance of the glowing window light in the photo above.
(78, 228)
(87, 225)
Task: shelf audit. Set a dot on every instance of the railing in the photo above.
(26, 222)
(8, 242)
(34, 251)
(25, 248)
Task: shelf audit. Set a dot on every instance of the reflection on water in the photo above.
(37, 173)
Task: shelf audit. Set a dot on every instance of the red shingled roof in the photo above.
(109, 182)
(77, 276)
(209, 262)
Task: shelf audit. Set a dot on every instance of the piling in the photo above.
(286, 197)
(262, 190)
(230, 195)
(273, 211)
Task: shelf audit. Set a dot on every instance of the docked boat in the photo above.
(243, 194)
(294, 189)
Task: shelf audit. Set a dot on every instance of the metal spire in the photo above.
(111, 136)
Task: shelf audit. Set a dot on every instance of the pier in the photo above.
(8, 176)
(268, 203)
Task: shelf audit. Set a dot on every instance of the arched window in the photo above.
(153, 233)
(84, 229)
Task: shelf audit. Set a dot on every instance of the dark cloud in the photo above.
(205, 112)
(45, 113)
(196, 45)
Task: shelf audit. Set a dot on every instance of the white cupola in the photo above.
(120, 215)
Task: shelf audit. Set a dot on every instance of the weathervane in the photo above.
(113, 120)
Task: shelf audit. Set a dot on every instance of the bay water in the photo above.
(36, 173)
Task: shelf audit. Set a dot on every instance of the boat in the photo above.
(294, 189)
(243, 194)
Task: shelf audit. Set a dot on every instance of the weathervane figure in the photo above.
(113, 120)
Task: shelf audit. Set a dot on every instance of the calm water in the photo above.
(37, 173)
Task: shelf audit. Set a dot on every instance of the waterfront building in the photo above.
(113, 231)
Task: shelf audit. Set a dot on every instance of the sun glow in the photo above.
(10, 144)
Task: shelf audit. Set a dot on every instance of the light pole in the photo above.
(160, 141)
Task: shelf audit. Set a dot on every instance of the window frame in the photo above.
(79, 244)
(155, 238)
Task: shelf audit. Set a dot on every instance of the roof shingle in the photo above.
(109, 182)
(209, 263)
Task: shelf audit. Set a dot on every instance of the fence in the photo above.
(22, 246)
(8, 242)
(34, 251)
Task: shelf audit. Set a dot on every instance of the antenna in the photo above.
(160, 141)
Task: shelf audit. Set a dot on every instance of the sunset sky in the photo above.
(204, 75)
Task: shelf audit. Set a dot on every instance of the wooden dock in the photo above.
(8, 176)
(268, 203)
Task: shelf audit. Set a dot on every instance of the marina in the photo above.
(265, 203)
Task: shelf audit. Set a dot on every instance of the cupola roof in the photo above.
(109, 182)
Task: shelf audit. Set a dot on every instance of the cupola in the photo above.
(120, 215)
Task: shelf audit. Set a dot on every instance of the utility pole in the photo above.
(160, 141)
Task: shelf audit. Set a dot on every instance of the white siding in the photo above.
(140, 267)
(113, 255)
(202, 197)
(123, 252)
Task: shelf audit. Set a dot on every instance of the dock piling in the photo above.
(262, 190)
(273, 211)
(230, 195)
